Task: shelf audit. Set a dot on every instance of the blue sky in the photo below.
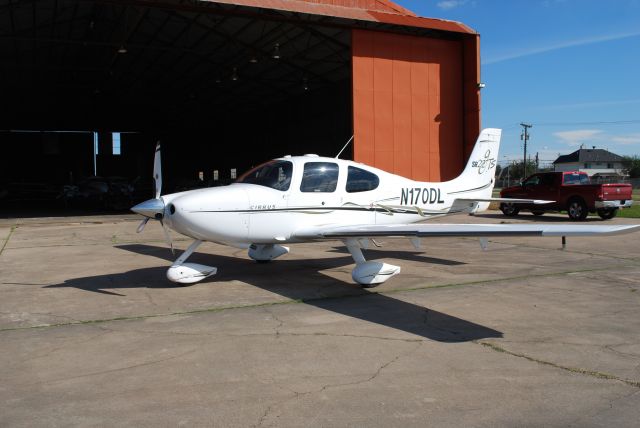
(569, 67)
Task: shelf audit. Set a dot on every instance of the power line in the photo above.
(613, 122)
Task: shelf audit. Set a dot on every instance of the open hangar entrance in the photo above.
(225, 85)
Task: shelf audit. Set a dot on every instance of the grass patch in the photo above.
(633, 212)
(6, 241)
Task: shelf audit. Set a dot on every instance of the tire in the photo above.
(607, 214)
(577, 209)
(537, 213)
(510, 210)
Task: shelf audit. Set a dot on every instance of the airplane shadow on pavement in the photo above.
(302, 280)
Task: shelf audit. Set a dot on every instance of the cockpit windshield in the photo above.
(275, 174)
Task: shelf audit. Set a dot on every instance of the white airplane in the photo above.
(307, 198)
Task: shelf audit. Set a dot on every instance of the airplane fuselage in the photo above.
(341, 192)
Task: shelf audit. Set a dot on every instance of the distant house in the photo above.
(600, 164)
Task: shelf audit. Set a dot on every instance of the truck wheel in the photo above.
(577, 209)
(510, 210)
(537, 213)
(607, 214)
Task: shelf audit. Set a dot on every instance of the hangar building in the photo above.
(89, 86)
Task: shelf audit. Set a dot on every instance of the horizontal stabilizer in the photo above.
(506, 200)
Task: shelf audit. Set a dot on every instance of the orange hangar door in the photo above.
(408, 104)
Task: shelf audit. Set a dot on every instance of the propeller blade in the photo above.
(143, 223)
(167, 236)
(157, 171)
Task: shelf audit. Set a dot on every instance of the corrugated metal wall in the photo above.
(411, 113)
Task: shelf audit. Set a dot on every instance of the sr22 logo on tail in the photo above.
(484, 164)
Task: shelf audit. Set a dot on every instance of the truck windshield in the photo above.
(275, 174)
(576, 179)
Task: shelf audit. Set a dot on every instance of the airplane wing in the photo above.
(461, 230)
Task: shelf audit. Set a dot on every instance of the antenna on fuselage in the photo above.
(345, 146)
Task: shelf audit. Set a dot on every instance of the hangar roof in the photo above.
(381, 11)
(371, 5)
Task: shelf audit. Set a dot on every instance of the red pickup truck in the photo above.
(572, 191)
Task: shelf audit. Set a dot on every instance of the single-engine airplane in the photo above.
(307, 198)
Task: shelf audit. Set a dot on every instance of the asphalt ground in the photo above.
(522, 334)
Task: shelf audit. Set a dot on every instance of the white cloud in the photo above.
(578, 136)
(627, 139)
(450, 4)
(596, 137)
(557, 45)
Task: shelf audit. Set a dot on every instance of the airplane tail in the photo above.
(478, 178)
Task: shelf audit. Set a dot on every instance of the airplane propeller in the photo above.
(154, 208)
(157, 171)
(142, 224)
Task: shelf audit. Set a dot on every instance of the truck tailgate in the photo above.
(612, 192)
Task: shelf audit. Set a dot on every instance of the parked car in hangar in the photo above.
(572, 191)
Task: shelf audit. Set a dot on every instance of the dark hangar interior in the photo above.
(223, 85)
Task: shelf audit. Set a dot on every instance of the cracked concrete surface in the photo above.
(522, 334)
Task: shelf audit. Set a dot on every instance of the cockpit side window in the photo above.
(275, 174)
(319, 177)
(359, 180)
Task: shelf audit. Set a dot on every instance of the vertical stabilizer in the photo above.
(477, 179)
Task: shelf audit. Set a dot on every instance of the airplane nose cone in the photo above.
(153, 208)
(212, 214)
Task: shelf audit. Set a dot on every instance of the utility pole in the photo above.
(525, 137)
(537, 162)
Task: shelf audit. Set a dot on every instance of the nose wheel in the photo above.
(189, 273)
(369, 273)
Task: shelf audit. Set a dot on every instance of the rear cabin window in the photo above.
(320, 177)
(359, 180)
(576, 179)
(273, 174)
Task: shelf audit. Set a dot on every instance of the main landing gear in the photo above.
(368, 273)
